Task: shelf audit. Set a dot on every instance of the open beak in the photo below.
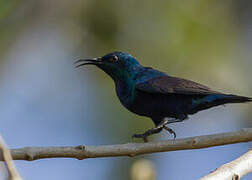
(94, 61)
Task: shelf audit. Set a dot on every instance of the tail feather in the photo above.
(236, 99)
(216, 100)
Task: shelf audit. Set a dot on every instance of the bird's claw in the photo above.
(170, 131)
(155, 130)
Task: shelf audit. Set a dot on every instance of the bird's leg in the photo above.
(168, 121)
(170, 131)
(173, 120)
(147, 133)
(155, 130)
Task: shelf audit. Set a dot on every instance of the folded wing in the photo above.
(168, 84)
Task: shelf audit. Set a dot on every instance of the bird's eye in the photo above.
(114, 58)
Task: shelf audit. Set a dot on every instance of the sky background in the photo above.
(45, 101)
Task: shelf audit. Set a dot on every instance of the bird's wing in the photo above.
(168, 84)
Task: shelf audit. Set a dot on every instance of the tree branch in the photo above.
(8, 160)
(131, 149)
(233, 170)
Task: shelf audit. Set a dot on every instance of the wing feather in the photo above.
(168, 84)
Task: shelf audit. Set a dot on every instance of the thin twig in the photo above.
(131, 149)
(233, 170)
(6, 155)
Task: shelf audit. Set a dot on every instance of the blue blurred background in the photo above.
(44, 101)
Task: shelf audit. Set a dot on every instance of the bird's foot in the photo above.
(147, 133)
(165, 122)
(155, 130)
(170, 131)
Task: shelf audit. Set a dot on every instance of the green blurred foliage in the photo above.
(8, 28)
(6, 7)
(184, 33)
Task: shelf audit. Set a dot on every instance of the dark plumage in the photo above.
(149, 92)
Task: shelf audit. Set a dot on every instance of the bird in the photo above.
(151, 93)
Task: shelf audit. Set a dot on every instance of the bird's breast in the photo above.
(125, 93)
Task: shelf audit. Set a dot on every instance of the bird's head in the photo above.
(118, 65)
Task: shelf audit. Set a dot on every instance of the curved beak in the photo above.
(94, 61)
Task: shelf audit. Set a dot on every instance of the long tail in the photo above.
(212, 100)
(230, 98)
